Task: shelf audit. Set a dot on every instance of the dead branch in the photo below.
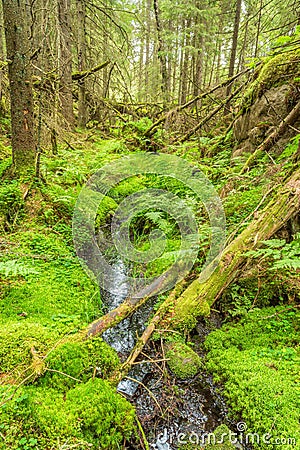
(273, 138)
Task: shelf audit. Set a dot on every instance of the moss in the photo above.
(277, 70)
(16, 340)
(80, 360)
(222, 439)
(183, 361)
(92, 415)
(258, 362)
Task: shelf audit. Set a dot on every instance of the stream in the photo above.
(171, 411)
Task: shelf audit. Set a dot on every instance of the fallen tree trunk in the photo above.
(209, 116)
(197, 299)
(273, 138)
(86, 73)
(142, 341)
(124, 310)
(151, 130)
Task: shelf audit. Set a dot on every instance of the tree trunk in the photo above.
(82, 105)
(234, 42)
(22, 119)
(161, 55)
(65, 63)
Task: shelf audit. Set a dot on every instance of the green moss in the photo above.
(183, 361)
(258, 362)
(92, 415)
(16, 340)
(276, 70)
(80, 360)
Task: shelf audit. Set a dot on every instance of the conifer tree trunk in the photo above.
(21, 97)
(82, 106)
(161, 54)
(234, 41)
(65, 63)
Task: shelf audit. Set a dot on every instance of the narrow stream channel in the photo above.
(171, 411)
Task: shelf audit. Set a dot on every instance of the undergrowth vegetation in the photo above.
(47, 299)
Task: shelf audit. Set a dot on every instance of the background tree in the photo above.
(21, 97)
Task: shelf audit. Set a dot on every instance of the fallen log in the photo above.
(198, 298)
(151, 130)
(124, 310)
(209, 116)
(50, 78)
(273, 138)
(142, 341)
(86, 73)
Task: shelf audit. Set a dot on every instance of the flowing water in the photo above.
(172, 412)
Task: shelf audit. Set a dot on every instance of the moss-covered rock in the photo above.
(182, 360)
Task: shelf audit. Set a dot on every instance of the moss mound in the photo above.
(79, 360)
(258, 364)
(92, 415)
(183, 361)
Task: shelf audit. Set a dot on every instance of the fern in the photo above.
(280, 255)
(13, 268)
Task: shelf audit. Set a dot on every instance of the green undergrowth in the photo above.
(89, 416)
(257, 362)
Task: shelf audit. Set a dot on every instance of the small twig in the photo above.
(147, 389)
(62, 373)
(144, 441)
(150, 361)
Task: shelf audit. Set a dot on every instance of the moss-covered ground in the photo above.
(55, 389)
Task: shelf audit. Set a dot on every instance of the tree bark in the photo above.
(65, 63)
(22, 118)
(234, 44)
(161, 55)
(82, 104)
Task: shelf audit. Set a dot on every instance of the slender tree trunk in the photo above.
(147, 49)
(82, 105)
(234, 42)
(161, 54)
(184, 75)
(22, 119)
(65, 63)
(258, 29)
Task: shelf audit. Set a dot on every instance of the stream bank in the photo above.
(172, 411)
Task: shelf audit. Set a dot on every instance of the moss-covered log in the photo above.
(197, 299)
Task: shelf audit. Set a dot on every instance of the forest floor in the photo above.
(46, 297)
